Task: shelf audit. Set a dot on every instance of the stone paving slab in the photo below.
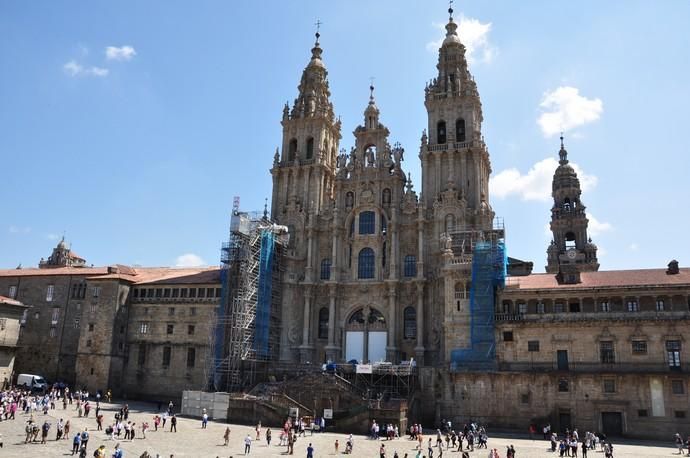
(192, 441)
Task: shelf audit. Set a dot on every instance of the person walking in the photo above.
(117, 453)
(173, 423)
(76, 443)
(247, 444)
(204, 420)
(226, 436)
(268, 437)
(310, 451)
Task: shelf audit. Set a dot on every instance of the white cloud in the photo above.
(634, 247)
(474, 35)
(52, 236)
(122, 53)
(596, 227)
(72, 68)
(564, 109)
(18, 230)
(536, 183)
(189, 260)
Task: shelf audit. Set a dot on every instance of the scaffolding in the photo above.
(489, 260)
(247, 322)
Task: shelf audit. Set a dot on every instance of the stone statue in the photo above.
(370, 157)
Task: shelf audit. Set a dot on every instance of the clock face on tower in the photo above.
(571, 253)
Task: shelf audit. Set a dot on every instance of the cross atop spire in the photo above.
(371, 88)
(450, 9)
(318, 27)
(563, 154)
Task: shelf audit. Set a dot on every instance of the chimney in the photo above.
(672, 268)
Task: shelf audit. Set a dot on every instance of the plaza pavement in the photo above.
(192, 441)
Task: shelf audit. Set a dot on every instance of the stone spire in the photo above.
(571, 250)
(372, 112)
(314, 94)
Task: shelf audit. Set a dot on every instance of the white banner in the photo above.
(328, 414)
(365, 369)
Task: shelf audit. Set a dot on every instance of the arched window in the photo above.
(441, 132)
(386, 197)
(323, 323)
(570, 240)
(292, 236)
(367, 223)
(410, 266)
(460, 130)
(365, 263)
(566, 204)
(292, 150)
(326, 269)
(384, 225)
(450, 222)
(409, 323)
(310, 148)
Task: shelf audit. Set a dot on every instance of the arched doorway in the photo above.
(366, 335)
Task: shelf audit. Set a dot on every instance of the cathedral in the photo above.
(376, 274)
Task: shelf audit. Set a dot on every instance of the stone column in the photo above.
(419, 349)
(331, 348)
(306, 347)
(392, 349)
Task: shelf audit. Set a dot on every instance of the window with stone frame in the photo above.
(660, 305)
(144, 327)
(13, 292)
(522, 307)
(507, 336)
(190, 329)
(605, 306)
(639, 347)
(540, 307)
(191, 357)
(673, 354)
(563, 385)
(409, 323)
(609, 385)
(633, 306)
(558, 307)
(460, 130)
(410, 266)
(367, 223)
(170, 329)
(325, 269)
(323, 323)
(606, 352)
(678, 386)
(366, 264)
(49, 293)
(533, 345)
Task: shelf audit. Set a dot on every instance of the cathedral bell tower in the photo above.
(571, 251)
(304, 168)
(455, 160)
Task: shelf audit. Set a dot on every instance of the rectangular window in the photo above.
(190, 329)
(563, 386)
(533, 345)
(201, 292)
(143, 327)
(176, 292)
(192, 292)
(171, 311)
(673, 354)
(558, 307)
(53, 331)
(159, 292)
(169, 329)
(574, 307)
(49, 293)
(56, 315)
(76, 322)
(210, 292)
(524, 398)
(93, 308)
(191, 357)
(540, 307)
(642, 413)
(507, 336)
(522, 307)
(166, 292)
(218, 292)
(659, 305)
(96, 291)
(679, 413)
(605, 306)
(13, 292)
(678, 386)
(167, 351)
(135, 293)
(609, 385)
(325, 269)
(141, 356)
(150, 292)
(91, 327)
(192, 311)
(367, 223)
(633, 306)
(184, 292)
(639, 347)
(606, 352)
(410, 266)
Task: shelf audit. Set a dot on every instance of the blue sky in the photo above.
(131, 125)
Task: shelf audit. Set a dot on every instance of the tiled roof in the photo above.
(33, 272)
(605, 279)
(158, 275)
